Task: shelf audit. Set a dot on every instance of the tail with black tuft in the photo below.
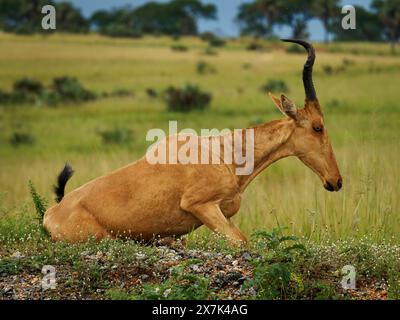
(62, 180)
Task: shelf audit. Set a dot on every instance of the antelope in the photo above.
(142, 201)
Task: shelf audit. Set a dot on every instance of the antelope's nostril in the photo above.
(339, 183)
(328, 186)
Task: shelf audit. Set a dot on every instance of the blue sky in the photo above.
(227, 10)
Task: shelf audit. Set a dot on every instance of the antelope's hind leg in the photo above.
(77, 226)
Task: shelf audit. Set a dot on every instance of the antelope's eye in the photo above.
(318, 128)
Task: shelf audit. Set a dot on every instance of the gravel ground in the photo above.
(226, 274)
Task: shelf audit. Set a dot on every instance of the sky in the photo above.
(227, 10)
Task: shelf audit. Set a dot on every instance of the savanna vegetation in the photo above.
(311, 234)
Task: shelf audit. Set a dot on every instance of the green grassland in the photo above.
(360, 104)
(360, 99)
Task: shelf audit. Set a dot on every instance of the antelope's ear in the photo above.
(285, 105)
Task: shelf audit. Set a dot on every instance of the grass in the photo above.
(360, 104)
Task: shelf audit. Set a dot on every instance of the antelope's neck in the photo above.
(270, 145)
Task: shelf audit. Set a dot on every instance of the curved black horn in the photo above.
(308, 68)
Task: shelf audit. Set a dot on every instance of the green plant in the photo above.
(21, 138)
(255, 46)
(40, 206)
(205, 68)
(28, 86)
(212, 39)
(182, 285)
(121, 93)
(179, 48)
(116, 136)
(187, 99)
(274, 275)
(70, 89)
(39, 202)
(294, 49)
(209, 51)
(275, 85)
(394, 282)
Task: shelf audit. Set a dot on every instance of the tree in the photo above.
(258, 18)
(24, 16)
(70, 19)
(327, 11)
(297, 15)
(369, 28)
(177, 17)
(252, 22)
(389, 13)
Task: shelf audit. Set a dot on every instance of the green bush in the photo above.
(63, 90)
(255, 46)
(28, 86)
(121, 93)
(21, 138)
(205, 68)
(70, 89)
(209, 51)
(212, 39)
(187, 99)
(275, 86)
(179, 48)
(116, 136)
(294, 49)
(151, 93)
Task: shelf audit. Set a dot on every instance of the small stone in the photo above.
(17, 255)
(144, 276)
(246, 256)
(140, 256)
(195, 268)
(166, 293)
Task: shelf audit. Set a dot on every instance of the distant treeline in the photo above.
(257, 18)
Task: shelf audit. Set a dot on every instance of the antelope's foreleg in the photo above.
(211, 215)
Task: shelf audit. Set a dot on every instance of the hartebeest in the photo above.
(143, 200)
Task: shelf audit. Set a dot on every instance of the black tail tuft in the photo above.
(62, 180)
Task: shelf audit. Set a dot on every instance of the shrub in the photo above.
(28, 86)
(63, 89)
(116, 136)
(294, 49)
(179, 48)
(121, 93)
(205, 68)
(70, 89)
(21, 138)
(187, 99)
(49, 98)
(209, 51)
(246, 66)
(212, 39)
(151, 93)
(334, 103)
(207, 36)
(275, 86)
(255, 46)
(13, 98)
(328, 69)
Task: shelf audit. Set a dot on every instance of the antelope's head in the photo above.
(309, 140)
